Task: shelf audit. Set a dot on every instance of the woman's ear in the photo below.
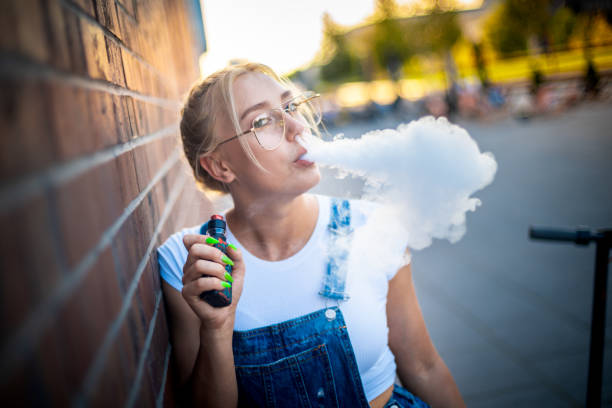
(217, 168)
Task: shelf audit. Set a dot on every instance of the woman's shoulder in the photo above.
(174, 243)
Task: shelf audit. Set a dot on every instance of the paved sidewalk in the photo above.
(510, 316)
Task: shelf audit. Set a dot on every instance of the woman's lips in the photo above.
(302, 162)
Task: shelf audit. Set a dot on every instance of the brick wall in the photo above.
(91, 182)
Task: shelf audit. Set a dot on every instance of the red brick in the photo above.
(126, 250)
(103, 121)
(133, 75)
(126, 131)
(146, 396)
(115, 381)
(145, 156)
(127, 24)
(127, 6)
(85, 318)
(126, 172)
(131, 114)
(88, 206)
(137, 326)
(171, 391)
(157, 350)
(50, 358)
(74, 41)
(144, 223)
(8, 26)
(77, 112)
(30, 259)
(86, 6)
(115, 62)
(57, 40)
(99, 64)
(106, 12)
(24, 112)
(147, 292)
(24, 387)
(27, 36)
(71, 119)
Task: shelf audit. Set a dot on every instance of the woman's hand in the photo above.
(204, 259)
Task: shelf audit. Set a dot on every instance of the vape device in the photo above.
(216, 229)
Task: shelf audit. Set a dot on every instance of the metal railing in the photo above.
(603, 241)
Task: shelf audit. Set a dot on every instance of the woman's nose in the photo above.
(293, 127)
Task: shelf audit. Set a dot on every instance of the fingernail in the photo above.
(211, 240)
(228, 277)
(226, 284)
(232, 246)
(228, 261)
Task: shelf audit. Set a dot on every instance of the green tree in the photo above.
(340, 63)
(440, 30)
(389, 46)
(515, 22)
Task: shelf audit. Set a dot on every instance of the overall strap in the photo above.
(340, 232)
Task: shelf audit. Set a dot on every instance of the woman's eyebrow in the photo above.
(260, 105)
(254, 107)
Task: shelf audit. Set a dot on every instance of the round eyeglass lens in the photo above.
(309, 107)
(269, 132)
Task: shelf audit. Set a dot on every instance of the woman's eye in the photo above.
(291, 107)
(260, 122)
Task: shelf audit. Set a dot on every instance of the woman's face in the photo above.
(255, 93)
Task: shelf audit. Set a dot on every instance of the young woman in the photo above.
(307, 326)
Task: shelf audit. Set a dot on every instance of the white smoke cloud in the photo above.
(423, 174)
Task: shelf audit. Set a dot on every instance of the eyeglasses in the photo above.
(269, 126)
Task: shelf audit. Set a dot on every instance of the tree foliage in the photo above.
(389, 46)
(341, 63)
(440, 30)
(517, 22)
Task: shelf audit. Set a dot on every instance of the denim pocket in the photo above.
(304, 380)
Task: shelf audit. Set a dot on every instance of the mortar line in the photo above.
(15, 349)
(13, 65)
(97, 366)
(126, 12)
(144, 353)
(160, 395)
(109, 34)
(15, 193)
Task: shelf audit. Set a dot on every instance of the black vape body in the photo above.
(216, 229)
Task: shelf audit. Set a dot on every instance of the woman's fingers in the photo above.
(197, 248)
(203, 267)
(202, 284)
(236, 256)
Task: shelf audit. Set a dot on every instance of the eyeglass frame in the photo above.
(309, 96)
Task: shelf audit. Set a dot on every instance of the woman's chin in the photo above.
(309, 179)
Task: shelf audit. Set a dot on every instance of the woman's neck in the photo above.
(274, 229)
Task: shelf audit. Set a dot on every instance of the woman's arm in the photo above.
(420, 368)
(204, 362)
(201, 335)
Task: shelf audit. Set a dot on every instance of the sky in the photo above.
(284, 34)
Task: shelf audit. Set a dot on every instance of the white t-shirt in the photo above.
(277, 291)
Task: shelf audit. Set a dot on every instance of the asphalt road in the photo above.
(511, 316)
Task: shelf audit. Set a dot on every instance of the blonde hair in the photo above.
(207, 100)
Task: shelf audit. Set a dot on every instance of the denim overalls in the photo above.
(308, 361)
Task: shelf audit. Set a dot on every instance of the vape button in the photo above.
(330, 314)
